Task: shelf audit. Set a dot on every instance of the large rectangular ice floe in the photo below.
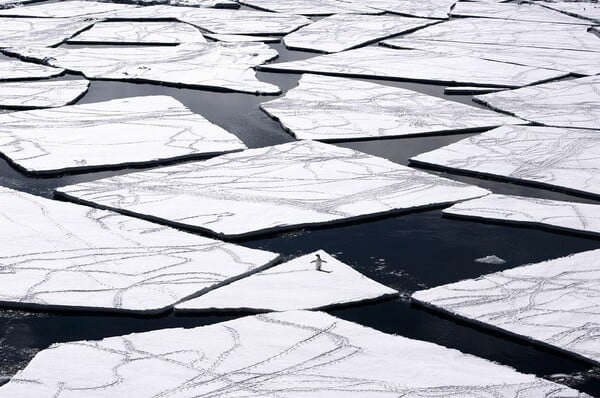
(224, 66)
(438, 9)
(568, 159)
(555, 302)
(332, 108)
(549, 214)
(285, 186)
(511, 33)
(13, 69)
(344, 31)
(64, 9)
(139, 33)
(568, 103)
(416, 65)
(41, 94)
(294, 285)
(513, 11)
(573, 61)
(108, 134)
(62, 256)
(288, 355)
(312, 7)
(39, 31)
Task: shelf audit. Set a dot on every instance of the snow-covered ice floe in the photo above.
(113, 133)
(553, 302)
(13, 69)
(547, 156)
(62, 256)
(39, 31)
(139, 33)
(287, 354)
(551, 214)
(492, 259)
(41, 94)
(333, 108)
(438, 9)
(293, 285)
(415, 65)
(568, 103)
(231, 4)
(224, 66)
(573, 61)
(511, 33)
(344, 31)
(513, 11)
(243, 38)
(312, 7)
(586, 10)
(280, 187)
(65, 9)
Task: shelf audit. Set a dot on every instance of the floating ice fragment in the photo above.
(13, 69)
(41, 94)
(493, 259)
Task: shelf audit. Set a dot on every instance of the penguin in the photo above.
(318, 262)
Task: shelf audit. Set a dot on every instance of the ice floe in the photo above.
(547, 156)
(552, 214)
(41, 94)
(333, 108)
(418, 65)
(13, 69)
(511, 33)
(243, 38)
(438, 9)
(107, 134)
(345, 31)
(585, 10)
(554, 302)
(568, 103)
(513, 11)
(64, 9)
(281, 187)
(225, 66)
(493, 259)
(312, 7)
(293, 285)
(39, 31)
(286, 354)
(139, 33)
(71, 257)
(574, 61)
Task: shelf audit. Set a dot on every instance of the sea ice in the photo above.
(418, 65)
(552, 214)
(225, 66)
(287, 354)
(65, 9)
(243, 38)
(39, 31)
(554, 302)
(139, 33)
(512, 11)
(112, 133)
(312, 7)
(333, 108)
(344, 31)
(511, 33)
(41, 94)
(553, 157)
(293, 285)
(493, 259)
(585, 10)
(13, 69)
(573, 61)
(568, 103)
(438, 9)
(260, 190)
(58, 255)
(187, 3)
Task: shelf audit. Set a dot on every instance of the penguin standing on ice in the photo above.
(319, 263)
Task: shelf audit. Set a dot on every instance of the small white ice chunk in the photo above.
(493, 259)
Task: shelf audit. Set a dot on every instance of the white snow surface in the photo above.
(293, 285)
(39, 31)
(422, 66)
(586, 10)
(13, 69)
(41, 94)
(140, 33)
(530, 12)
(554, 214)
(312, 7)
(553, 157)
(70, 257)
(226, 66)
(333, 108)
(112, 133)
(65, 9)
(344, 31)
(279, 187)
(568, 103)
(287, 355)
(553, 302)
(438, 9)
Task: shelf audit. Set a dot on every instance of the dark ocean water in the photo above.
(407, 252)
